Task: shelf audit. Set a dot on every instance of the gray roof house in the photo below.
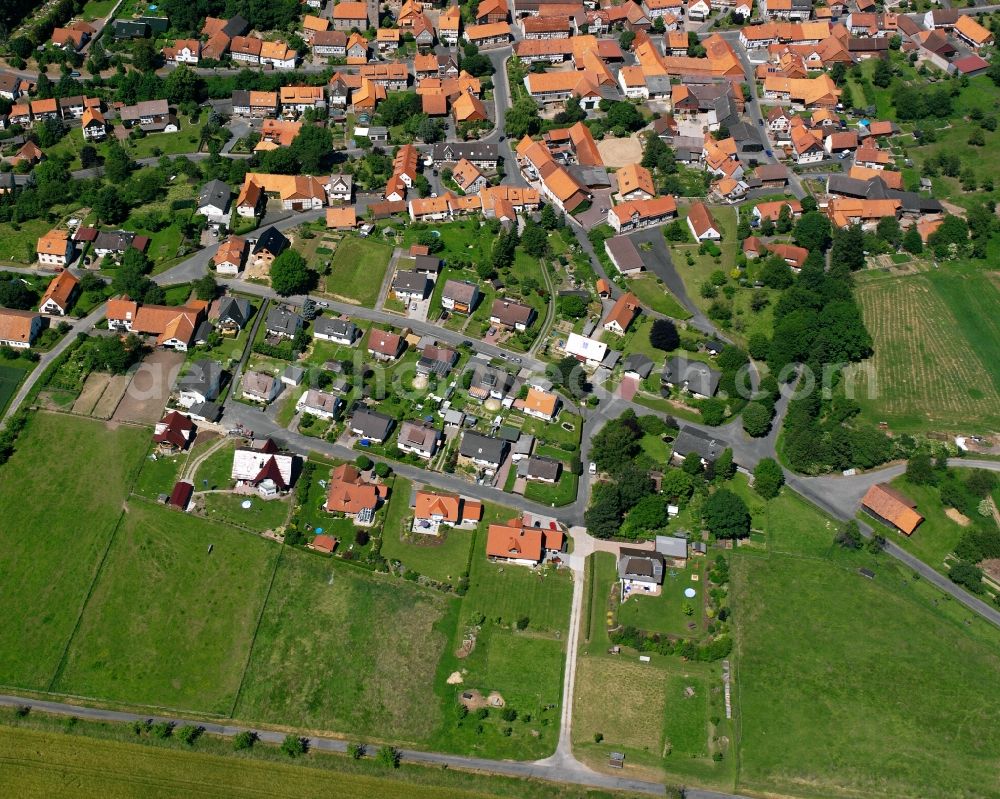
(638, 366)
(341, 331)
(624, 255)
(640, 566)
(705, 445)
(438, 360)
(371, 425)
(230, 313)
(695, 377)
(213, 201)
(202, 384)
(483, 450)
(672, 547)
(282, 322)
(418, 438)
(490, 381)
(408, 285)
(546, 470)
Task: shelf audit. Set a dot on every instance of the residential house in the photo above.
(792, 255)
(622, 314)
(482, 155)
(152, 116)
(490, 382)
(339, 331)
(213, 201)
(115, 243)
(640, 571)
(492, 34)
(539, 469)
(418, 438)
(329, 44)
(283, 322)
(260, 387)
(459, 296)
(541, 404)
(635, 182)
(371, 425)
(468, 177)
(55, 248)
(523, 545)
(772, 211)
(347, 15)
(889, 506)
(296, 100)
(339, 188)
(229, 258)
(184, 51)
(638, 214)
(93, 125)
(436, 360)
(702, 224)
(320, 404)
(341, 218)
(449, 22)
(693, 377)
(200, 385)
(972, 33)
(637, 366)
(384, 345)
(408, 285)
(430, 510)
(268, 246)
(588, 351)
(19, 329)
(264, 468)
(58, 297)
(692, 440)
(173, 433)
(483, 451)
(511, 314)
(350, 494)
(229, 314)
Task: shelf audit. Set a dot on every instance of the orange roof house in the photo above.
(59, 292)
(543, 404)
(347, 493)
(635, 181)
(524, 545)
(434, 104)
(971, 32)
(52, 246)
(341, 218)
(448, 508)
(622, 314)
(468, 108)
(886, 504)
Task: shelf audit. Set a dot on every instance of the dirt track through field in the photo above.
(93, 388)
(112, 395)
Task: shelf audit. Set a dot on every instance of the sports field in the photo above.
(357, 269)
(61, 495)
(850, 687)
(937, 352)
(170, 622)
(343, 651)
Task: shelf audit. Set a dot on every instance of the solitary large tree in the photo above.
(663, 335)
(726, 515)
(289, 274)
(768, 478)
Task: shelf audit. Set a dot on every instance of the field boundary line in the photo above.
(256, 630)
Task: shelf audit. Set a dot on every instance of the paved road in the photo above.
(509, 768)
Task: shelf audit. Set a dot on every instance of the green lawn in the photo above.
(10, 379)
(341, 650)
(214, 472)
(444, 557)
(19, 244)
(260, 516)
(937, 352)
(936, 536)
(653, 294)
(556, 495)
(170, 621)
(829, 694)
(97, 9)
(159, 476)
(357, 270)
(665, 613)
(655, 447)
(61, 496)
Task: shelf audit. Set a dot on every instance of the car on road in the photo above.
(324, 304)
(769, 154)
(592, 468)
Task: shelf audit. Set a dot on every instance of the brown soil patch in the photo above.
(472, 699)
(467, 647)
(111, 397)
(93, 388)
(620, 152)
(149, 388)
(991, 568)
(958, 517)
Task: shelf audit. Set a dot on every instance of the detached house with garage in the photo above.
(512, 315)
(371, 425)
(431, 510)
(516, 543)
(418, 438)
(59, 295)
(260, 387)
(483, 451)
(459, 296)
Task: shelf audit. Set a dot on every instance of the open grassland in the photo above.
(170, 623)
(653, 293)
(10, 379)
(860, 688)
(61, 496)
(341, 650)
(94, 759)
(357, 269)
(937, 352)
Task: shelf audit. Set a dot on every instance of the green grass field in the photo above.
(333, 647)
(655, 295)
(937, 534)
(357, 270)
(443, 560)
(665, 613)
(555, 495)
(836, 676)
(61, 496)
(937, 352)
(170, 623)
(10, 379)
(259, 516)
(19, 245)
